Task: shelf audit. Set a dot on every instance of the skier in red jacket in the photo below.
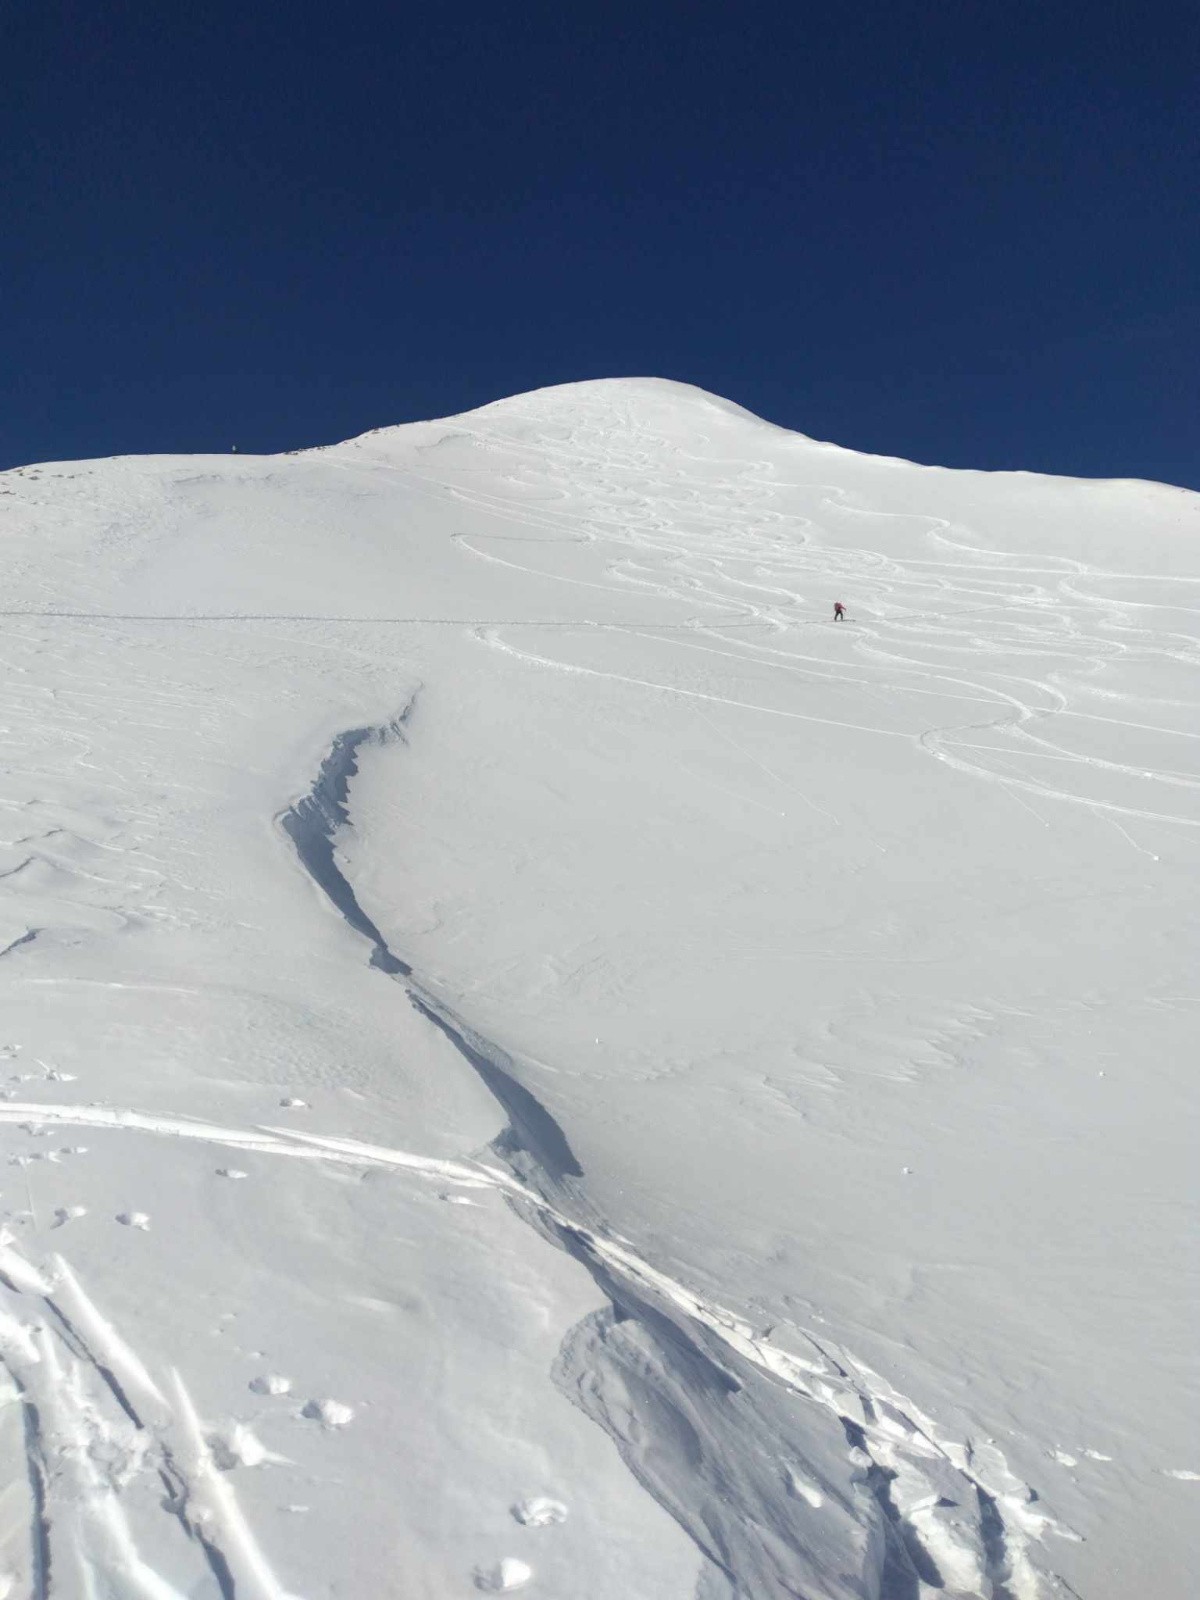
(839, 611)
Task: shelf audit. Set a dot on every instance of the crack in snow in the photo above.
(697, 1366)
(716, 1421)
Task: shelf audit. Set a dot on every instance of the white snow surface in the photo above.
(713, 1089)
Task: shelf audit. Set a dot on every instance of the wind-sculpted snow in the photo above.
(699, 1104)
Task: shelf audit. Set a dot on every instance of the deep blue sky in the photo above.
(966, 231)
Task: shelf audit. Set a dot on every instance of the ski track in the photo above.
(1045, 616)
(98, 1422)
(73, 1342)
(1083, 630)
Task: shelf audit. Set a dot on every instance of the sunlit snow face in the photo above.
(474, 927)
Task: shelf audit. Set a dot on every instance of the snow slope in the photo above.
(535, 1059)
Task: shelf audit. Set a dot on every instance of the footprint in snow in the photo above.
(294, 1103)
(504, 1576)
(329, 1413)
(66, 1214)
(231, 1172)
(134, 1219)
(539, 1511)
(271, 1383)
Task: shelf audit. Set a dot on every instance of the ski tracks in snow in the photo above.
(109, 1447)
(938, 615)
(923, 1505)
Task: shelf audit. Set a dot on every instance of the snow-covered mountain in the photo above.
(533, 1056)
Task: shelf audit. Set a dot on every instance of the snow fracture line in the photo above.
(313, 825)
(797, 1472)
(665, 1365)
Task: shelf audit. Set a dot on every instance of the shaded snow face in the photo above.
(798, 1016)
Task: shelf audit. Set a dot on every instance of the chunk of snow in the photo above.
(509, 1573)
(539, 1511)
